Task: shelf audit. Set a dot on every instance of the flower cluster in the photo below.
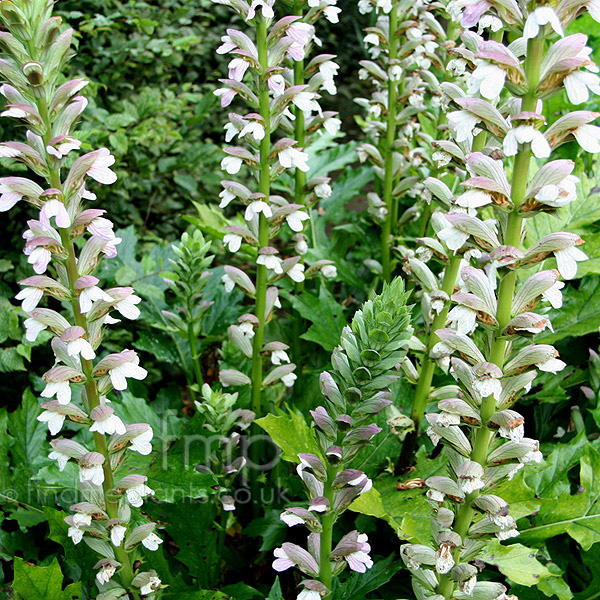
(64, 243)
(364, 366)
(485, 339)
(404, 46)
(259, 76)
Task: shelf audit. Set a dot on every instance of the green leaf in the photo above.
(325, 314)
(517, 562)
(275, 593)
(359, 584)
(576, 514)
(42, 583)
(159, 345)
(579, 315)
(291, 433)
(241, 591)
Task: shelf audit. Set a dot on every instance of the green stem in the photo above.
(327, 521)
(263, 241)
(110, 498)
(193, 349)
(390, 138)
(428, 365)
(512, 237)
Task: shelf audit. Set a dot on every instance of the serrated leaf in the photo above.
(579, 315)
(361, 584)
(42, 583)
(515, 561)
(291, 433)
(325, 314)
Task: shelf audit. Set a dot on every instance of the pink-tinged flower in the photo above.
(122, 366)
(543, 15)
(74, 338)
(39, 257)
(226, 94)
(90, 293)
(276, 84)
(99, 170)
(354, 549)
(237, 68)
(124, 302)
(54, 208)
(265, 6)
(109, 249)
(290, 555)
(90, 468)
(293, 158)
(60, 146)
(13, 189)
(105, 421)
(578, 85)
(227, 45)
(526, 134)
(101, 228)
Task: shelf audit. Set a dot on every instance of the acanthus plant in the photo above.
(354, 392)
(65, 244)
(404, 45)
(500, 303)
(257, 232)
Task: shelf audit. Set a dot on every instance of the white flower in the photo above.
(111, 424)
(81, 347)
(385, 5)
(54, 208)
(105, 573)
(543, 15)
(264, 5)
(60, 389)
(256, 129)
(100, 167)
(554, 295)
(567, 259)
(117, 534)
(94, 474)
(292, 157)
(296, 273)
(487, 79)
(247, 329)
(59, 457)
(578, 85)
(295, 219)
(301, 247)
(152, 585)
(462, 123)
(55, 422)
(291, 519)
(277, 356)
(30, 297)
(288, 380)
(90, 295)
(231, 164)
(257, 207)
(226, 197)
(463, 319)
(119, 374)
(39, 257)
(270, 261)
(237, 68)
(141, 443)
(152, 541)
(587, 136)
(127, 307)
(306, 102)
(329, 271)
(228, 283)
(444, 559)
(323, 190)
(136, 494)
(277, 85)
(232, 241)
(526, 134)
(75, 534)
(332, 13)
(553, 365)
(332, 125)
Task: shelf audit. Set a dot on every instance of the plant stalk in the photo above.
(390, 138)
(263, 238)
(327, 521)
(514, 227)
